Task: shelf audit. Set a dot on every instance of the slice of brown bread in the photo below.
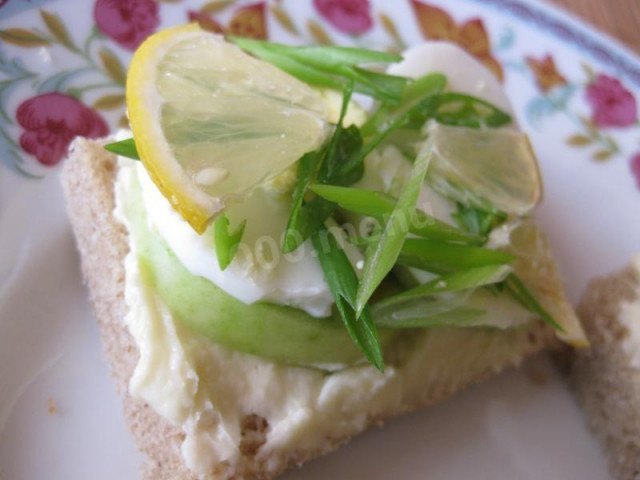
(603, 377)
(88, 178)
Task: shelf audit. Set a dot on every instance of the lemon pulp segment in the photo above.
(492, 169)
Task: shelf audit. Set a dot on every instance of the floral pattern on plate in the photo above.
(51, 120)
(85, 94)
(247, 21)
(127, 22)
(348, 16)
(612, 107)
(436, 24)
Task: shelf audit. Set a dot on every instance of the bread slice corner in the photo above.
(604, 378)
(88, 177)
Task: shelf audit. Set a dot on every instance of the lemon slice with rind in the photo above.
(491, 169)
(211, 122)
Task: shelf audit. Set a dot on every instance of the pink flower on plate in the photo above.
(128, 22)
(635, 168)
(51, 121)
(348, 16)
(613, 105)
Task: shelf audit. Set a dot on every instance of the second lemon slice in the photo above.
(210, 122)
(490, 168)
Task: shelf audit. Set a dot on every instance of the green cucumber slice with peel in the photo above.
(276, 332)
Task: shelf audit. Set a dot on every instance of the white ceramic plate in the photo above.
(62, 67)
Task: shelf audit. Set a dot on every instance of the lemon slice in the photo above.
(211, 122)
(490, 169)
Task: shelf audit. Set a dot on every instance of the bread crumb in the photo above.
(254, 434)
(51, 406)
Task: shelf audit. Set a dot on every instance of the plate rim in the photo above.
(572, 30)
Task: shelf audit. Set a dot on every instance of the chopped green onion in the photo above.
(381, 257)
(436, 256)
(440, 302)
(447, 309)
(364, 202)
(477, 220)
(425, 86)
(331, 66)
(389, 88)
(415, 91)
(451, 282)
(343, 283)
(307, 169)
(226, 241)
(329, 57)
(124, 148)
(473, 112)
(330, 164)
(431, 314)
(376, 140)
(300, 70)
(521, 293)
(377, 204)
(326, 57)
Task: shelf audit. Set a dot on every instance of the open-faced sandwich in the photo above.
(276, 267)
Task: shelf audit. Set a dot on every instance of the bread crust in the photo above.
(88, 177)
(602, 377)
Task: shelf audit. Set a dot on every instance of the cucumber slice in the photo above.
(277, 332)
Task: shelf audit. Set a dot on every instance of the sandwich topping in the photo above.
(284, 235)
